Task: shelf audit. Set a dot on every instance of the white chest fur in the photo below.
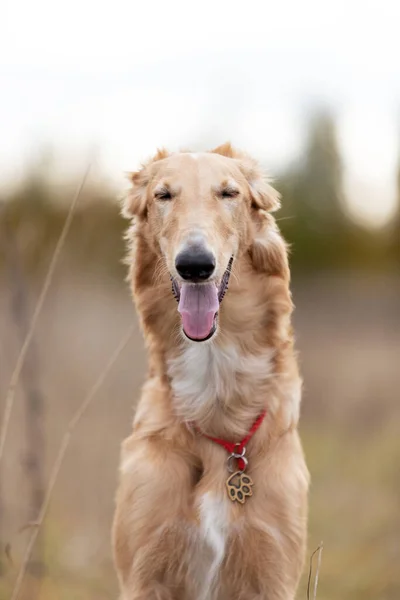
(207, 373)
(214, 530)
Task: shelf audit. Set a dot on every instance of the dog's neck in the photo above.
(213, 381)
(222, 384)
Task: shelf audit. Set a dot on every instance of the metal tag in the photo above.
(239, 486)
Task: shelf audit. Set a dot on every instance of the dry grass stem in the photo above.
(60, 457)
(28, 338)
(321, 546)
(319, 550)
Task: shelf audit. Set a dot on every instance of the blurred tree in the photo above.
(35, 212)
(320, 178)
(395, 229)
(313, 218)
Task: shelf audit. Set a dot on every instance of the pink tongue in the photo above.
(198, 305)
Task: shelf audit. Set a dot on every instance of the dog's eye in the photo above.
(229, 193)
(163, 194)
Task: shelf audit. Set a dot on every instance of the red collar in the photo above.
(237, 449)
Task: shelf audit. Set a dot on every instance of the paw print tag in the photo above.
(239, 486)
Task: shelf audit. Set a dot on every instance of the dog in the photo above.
(212, 500)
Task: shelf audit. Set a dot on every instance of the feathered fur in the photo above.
(176, 534)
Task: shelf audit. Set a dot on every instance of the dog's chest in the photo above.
(213, 531)
(206, 374)
(202, 377)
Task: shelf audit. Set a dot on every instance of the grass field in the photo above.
(349, 342)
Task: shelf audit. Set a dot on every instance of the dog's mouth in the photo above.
(198, 305)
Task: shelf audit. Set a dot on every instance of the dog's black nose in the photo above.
(195, 264)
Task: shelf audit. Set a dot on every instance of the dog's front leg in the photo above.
(153, 537)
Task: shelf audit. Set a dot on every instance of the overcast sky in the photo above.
(125, 77)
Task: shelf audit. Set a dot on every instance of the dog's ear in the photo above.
(226, 150)
(135, 201)
(263, 195)
(268, 250)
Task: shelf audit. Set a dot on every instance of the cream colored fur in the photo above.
(176, 534)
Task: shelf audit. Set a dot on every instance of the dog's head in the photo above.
(199, 213)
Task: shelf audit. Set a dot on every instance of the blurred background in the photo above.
(312, 90)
